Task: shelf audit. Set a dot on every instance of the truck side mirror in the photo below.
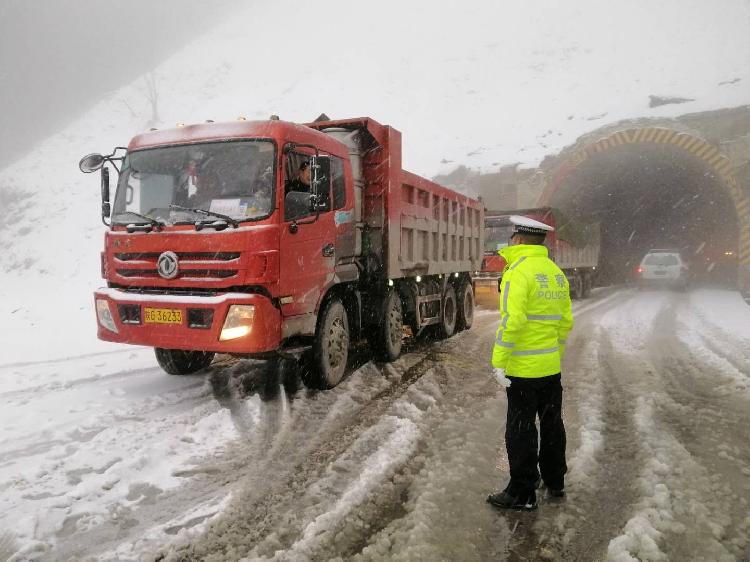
(91, 163)
(106, 208)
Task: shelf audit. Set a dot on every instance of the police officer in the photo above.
(535, 318)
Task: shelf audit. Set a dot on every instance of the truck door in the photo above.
(308, 254)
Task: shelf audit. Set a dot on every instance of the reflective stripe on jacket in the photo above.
(535, 313)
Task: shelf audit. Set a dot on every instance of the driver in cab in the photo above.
(208, 188)
(302, 182)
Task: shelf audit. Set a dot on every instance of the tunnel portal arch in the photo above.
(692, 145)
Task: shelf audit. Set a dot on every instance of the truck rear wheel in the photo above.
(391, 330)
(587, 284)
(465, 313)
(447, 325)
(576, 286)
(181, 362)
(331, 347)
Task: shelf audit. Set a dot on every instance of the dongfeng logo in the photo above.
(167, 266)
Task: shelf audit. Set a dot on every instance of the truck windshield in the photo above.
(235, 179)
(495, 237)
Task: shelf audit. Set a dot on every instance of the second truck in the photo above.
(211, 248)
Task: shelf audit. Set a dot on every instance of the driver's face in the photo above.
(304, 176)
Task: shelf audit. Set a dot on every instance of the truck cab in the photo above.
(197, 214)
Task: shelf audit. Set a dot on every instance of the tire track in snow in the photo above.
(260, 511)
(703, 419)
(682, 513)
(604, 458)
(728, 354)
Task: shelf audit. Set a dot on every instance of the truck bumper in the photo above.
(201, 321)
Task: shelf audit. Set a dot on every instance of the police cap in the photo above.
(525, 225)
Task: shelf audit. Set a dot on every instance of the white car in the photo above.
(663, 268)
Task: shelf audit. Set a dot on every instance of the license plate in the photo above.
(162, 316)
(660, 272)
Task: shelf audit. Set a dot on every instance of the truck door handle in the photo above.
(328, 250)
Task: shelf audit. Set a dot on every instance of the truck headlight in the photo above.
(105, 316)
(239, 322)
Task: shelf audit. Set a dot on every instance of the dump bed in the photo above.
(567, 256)
(411, 225)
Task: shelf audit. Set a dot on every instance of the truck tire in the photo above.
(447, 324)
(465, 313)
(390, 334)
(181, 362)
(587, 283)
(331, 346)
(576, 286)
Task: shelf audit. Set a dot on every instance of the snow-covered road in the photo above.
(103, 456)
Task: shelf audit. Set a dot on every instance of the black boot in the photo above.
(504, 500)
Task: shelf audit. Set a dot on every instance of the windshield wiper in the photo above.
(204, 212)
(150, 221)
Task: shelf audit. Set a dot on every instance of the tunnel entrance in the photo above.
(654, 188)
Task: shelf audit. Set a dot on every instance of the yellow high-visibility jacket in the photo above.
(535, 313)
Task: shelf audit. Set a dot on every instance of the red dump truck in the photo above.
(216, 244)
(576, 252)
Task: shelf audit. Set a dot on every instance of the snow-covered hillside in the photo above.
(482, 84)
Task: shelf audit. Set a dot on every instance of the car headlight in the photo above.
(105, 315)
(239, 322)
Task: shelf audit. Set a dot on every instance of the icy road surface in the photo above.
(104, 457)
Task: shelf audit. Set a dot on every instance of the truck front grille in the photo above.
(189, 256)
(183, 274)
(204, 266)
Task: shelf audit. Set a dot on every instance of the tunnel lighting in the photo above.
(455, 274)
(239, 322)
(105, 315)
(419, 278)
(728, 253)
(390, 282)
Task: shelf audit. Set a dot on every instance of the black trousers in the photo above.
(527, 399)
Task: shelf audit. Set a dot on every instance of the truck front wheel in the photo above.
(181, 362)
(391, 331)
(331, 347)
